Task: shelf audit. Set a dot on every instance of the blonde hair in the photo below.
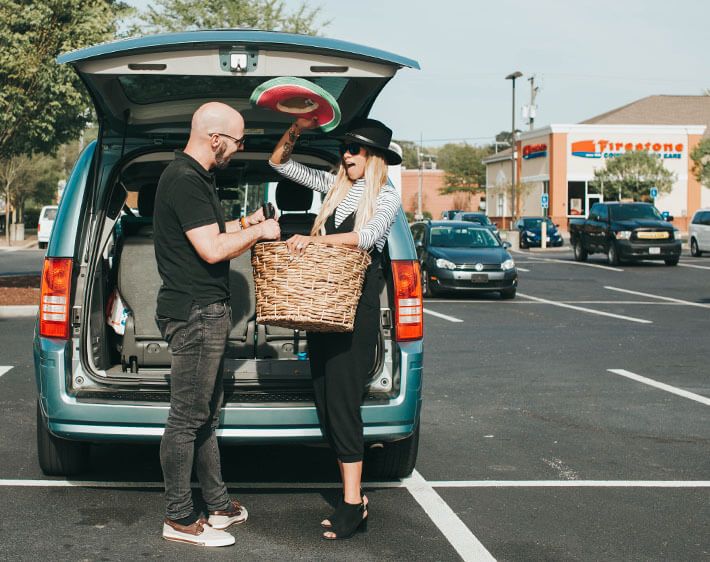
(375, 178)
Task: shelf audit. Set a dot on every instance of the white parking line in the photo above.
(508, 302)
(693, 266)
(659, 297)
(444, 316)
(456, 532)
(4, 370)
(572, 262)
(523, 269)
(663, 386)
(588, 310)
(19, 483)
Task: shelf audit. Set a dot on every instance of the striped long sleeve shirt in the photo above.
(377, 229)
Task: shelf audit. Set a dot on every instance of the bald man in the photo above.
(193, 246)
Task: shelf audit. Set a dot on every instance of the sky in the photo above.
(587, 58)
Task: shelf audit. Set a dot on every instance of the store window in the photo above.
(501, 205)
(576, 198)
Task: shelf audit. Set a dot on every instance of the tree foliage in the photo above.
(43, 104)
(701, 161)
(464, 167)
(188, 15)
(410, 154)
(633, 174)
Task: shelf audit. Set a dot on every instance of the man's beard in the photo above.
(219, 158)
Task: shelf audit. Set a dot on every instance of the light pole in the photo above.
(512, 77)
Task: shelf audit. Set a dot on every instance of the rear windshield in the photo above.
(630, 212)
(536, 223)
(480, 219)
(149, 88)
(49, 214)
(462, 237)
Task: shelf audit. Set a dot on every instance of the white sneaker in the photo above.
(200, 533)
(234, 516)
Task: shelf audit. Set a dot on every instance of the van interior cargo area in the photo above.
(259, 358)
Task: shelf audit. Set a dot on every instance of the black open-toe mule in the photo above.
(348, 518)
(329, 525)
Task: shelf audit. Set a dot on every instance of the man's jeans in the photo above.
(196, 392)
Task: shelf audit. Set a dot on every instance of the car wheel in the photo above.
(580, 254)
(59, 457)
(522, 245)
(508, 294)
(694, 250)
(42, 245)
(393, 460)
(612, 254)
(672, 261)
(427, 289)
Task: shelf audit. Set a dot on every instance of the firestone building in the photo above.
(560, 160)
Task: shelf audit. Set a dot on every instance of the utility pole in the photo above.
(532, 108)
(420, 216)
(512, 77)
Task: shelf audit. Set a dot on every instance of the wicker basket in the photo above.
(317, 292)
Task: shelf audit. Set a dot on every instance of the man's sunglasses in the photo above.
(352, 147)
(238, 142)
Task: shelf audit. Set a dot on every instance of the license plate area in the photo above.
(479, 278)
(654, 251)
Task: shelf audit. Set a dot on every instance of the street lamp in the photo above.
(512, 77)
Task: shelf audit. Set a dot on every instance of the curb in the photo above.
(20, 311)
(23, 247)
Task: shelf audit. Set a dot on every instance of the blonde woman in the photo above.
(358, 211)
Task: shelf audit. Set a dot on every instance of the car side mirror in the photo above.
(507, 245)
(419, 244)
(669, 218)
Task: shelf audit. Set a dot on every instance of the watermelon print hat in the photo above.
(300, 98)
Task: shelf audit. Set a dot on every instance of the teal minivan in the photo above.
(101, 365)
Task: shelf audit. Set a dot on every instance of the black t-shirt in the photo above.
(186, 198)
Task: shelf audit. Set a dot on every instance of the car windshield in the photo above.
(49, 214)
(631, 212)
(536, 223)
(480, 219)
(462, 237)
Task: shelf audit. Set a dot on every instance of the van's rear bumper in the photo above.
(108, 421)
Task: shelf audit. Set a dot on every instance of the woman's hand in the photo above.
(307, 123)
(298, 243)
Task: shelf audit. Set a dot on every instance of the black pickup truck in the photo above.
(624, 231)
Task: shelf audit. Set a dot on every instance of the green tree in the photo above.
(410, 154)
(464, 168)
(271, 15)
(701, 161)
(43, 104)
(633, 174)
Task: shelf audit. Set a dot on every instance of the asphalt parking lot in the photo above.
(572, 423)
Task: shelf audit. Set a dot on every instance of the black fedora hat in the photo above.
(375, 134)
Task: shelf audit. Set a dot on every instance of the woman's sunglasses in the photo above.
(352, 147)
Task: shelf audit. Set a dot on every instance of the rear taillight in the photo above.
(39, 227)
(408, 300)
(54, 302)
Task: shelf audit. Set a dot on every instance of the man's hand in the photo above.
(269, 229)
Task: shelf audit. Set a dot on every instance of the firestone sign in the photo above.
(610, 149)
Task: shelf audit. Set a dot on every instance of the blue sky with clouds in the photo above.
(588, 57)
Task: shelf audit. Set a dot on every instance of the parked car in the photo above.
(477, 218)
(461, 256)
(45, 224)
(699, 232)
(101, 383)
(449, 215)
(530, 232)
(625, 231)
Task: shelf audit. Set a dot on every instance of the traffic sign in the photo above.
(654, 192)
(545, 200)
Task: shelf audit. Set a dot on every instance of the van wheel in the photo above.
(42, 245)
(672, 261)
(580, 254)
(59, 457)
(507, 294)
(694, 250)
(393, 460)
(612, 254)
